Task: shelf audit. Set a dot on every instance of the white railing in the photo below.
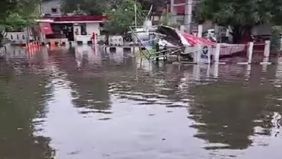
(229, 49)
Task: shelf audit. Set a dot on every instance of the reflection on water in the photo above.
(22, 99)
(86, 103)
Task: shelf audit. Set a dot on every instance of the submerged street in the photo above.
(82, 103)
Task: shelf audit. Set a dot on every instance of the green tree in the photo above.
(5, 6)
(98, 7)
(121, 15)
(17, 14)
(90, 7)
(241, 15)
(146, 4)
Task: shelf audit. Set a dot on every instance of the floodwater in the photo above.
(83, 104)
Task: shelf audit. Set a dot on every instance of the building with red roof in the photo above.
(55, 26)
(178, 11)
(79, 28)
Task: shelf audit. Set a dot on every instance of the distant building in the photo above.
(179, 14)
(58, 27)
(51, 8)
(79, 29)
(177, 9)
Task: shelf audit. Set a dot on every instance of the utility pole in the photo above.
(188, 15)
(40, 8)
(135, 11)
(172, 11)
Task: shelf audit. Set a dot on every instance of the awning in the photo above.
(197, 40)
(46, 28)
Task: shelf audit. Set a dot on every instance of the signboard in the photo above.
(205, 55)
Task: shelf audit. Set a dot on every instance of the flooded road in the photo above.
(81, 104)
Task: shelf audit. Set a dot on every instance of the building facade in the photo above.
(77, 29)
(57, 27)
(182, 13)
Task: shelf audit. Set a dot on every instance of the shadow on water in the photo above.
(155, 110)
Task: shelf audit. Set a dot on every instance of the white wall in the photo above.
(90, 29)
(93, 27)
(17, 37)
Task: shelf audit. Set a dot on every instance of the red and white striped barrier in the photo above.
(33, 47)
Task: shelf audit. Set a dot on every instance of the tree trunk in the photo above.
(1, 39)
(237, 35)
(1, 43)
(241, 34)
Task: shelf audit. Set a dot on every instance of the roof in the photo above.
(74, 19)
(80, 18)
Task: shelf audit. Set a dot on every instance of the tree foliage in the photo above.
(241, 15)
(16, 14)
(89, 7)
(121, 15)
(98, 7)
(146, 4)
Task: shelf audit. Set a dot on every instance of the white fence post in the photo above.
(209, 54)
(267, 48)
(250, 52)
(197, 54)
(280, 43)
(217, 53)
(266, 54)
(200, 30)
(196, 72)
(215, 70)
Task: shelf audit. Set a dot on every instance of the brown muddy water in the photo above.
(83, 104)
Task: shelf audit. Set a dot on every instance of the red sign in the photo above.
(46, 28)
